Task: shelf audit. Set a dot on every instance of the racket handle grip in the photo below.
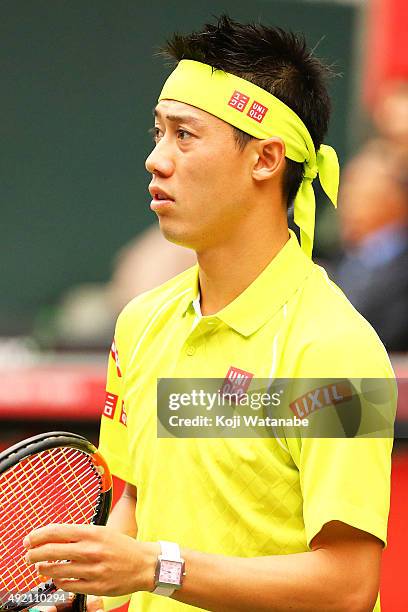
(79, 603)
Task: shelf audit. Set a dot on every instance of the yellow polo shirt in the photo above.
(243, 497)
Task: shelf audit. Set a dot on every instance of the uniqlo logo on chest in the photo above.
(237, 381)
(257, 112)
(239, 101)
(110, 405)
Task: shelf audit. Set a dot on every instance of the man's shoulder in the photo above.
(335, 335)
(329, 308)
(147, 303)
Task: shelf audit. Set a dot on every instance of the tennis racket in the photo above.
(55, 477)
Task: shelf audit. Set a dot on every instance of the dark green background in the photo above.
(78, 84)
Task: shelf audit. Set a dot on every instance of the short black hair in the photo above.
(272, 58)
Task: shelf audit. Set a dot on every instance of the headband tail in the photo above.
(329, 172)
(304, 216)
(305, 203)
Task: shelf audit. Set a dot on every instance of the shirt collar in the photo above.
(267, 293)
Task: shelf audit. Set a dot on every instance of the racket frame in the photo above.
(10, 457)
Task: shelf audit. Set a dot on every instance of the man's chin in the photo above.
(176, 235)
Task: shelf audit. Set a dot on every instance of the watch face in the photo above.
(170, 572)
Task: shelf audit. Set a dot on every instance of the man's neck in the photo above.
(226, 270)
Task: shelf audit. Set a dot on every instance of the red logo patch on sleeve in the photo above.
(115, 357)
(257, 112)
(239, 101)
(110, 405)
(123, 415)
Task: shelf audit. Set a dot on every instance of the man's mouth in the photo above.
(159, 194)
(161, 200)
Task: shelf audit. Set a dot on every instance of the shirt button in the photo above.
(190, 350)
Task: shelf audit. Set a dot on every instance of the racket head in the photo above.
(54, 477)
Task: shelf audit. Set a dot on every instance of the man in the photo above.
(374, 230)
(262, 524)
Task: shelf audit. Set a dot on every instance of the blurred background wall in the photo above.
(79, 80)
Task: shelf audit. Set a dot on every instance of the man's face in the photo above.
(369, 199)
(201, 181)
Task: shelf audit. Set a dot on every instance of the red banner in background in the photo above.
(386, 49)
(57, 392)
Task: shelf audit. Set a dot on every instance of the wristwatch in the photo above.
(169, 569)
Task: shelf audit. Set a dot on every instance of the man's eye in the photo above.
(183, 134)
(156, 133)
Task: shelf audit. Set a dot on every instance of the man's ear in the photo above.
(270, 158)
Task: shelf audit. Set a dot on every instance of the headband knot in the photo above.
(310, 173)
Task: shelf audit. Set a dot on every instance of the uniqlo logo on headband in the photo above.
(110, 405)
(257, 112)
(239, 101)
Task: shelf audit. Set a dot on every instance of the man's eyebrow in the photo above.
(179, 118)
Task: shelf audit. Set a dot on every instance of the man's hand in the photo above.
(101, 561)
(94, 604)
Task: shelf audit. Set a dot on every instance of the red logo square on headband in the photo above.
(110, 405)
(257, 112)
(239, 101)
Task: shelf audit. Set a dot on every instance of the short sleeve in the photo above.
(345, 479)
(113, 439)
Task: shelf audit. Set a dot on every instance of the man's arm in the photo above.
(122, 518)
(340, 574)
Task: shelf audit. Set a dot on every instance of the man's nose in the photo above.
(160, 161)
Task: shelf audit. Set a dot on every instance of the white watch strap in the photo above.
(170, 551)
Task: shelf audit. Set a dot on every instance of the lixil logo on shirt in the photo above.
(330, 395)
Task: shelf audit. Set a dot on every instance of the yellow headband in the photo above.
(260, 114)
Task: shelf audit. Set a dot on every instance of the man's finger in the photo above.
(66, 570)
(55, 552)
(56, 533)
(94, 603)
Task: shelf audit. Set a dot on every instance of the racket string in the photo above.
(56, 486)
